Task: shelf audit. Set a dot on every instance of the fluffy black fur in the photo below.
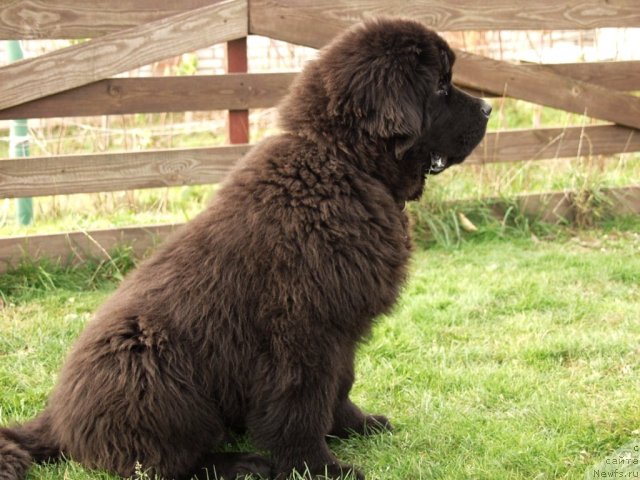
(249, 316)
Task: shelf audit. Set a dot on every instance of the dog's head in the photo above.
(387, 82)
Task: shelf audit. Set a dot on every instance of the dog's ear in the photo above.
(378, 94)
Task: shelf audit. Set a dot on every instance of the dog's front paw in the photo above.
(336, 471)
(376, 424)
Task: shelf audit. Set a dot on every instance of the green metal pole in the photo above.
(19, 143)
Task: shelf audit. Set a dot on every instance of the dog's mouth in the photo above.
(438, 162)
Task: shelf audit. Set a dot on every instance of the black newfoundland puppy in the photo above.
(248, 317)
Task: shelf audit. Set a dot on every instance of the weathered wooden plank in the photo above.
(546, 143)
(314, 23)
(565, 206)
(117, 96)
(41, 19)
(121, 51)
(546, 88)
(623, 76)
(78, 246)
(624, 201)
(22, 19)
(473, 71)
(35, 176)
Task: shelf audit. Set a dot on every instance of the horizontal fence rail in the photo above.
(30, 19)
(116, 96)
(62, 19)
(550, 143)
(330, 17)
(53, 175)
(79, 246)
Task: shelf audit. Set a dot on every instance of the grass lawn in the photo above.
(512, 358)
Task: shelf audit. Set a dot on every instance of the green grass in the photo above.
(509, 355)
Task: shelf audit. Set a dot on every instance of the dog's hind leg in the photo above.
(292, 421)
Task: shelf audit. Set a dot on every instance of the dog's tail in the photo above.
(23, 444)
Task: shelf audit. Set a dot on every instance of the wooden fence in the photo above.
(126, 34)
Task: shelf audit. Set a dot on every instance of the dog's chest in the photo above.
(368, 267)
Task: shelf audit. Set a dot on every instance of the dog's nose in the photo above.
(486, 108)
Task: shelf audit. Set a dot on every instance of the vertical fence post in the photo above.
(19, 142)
(238, 124)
